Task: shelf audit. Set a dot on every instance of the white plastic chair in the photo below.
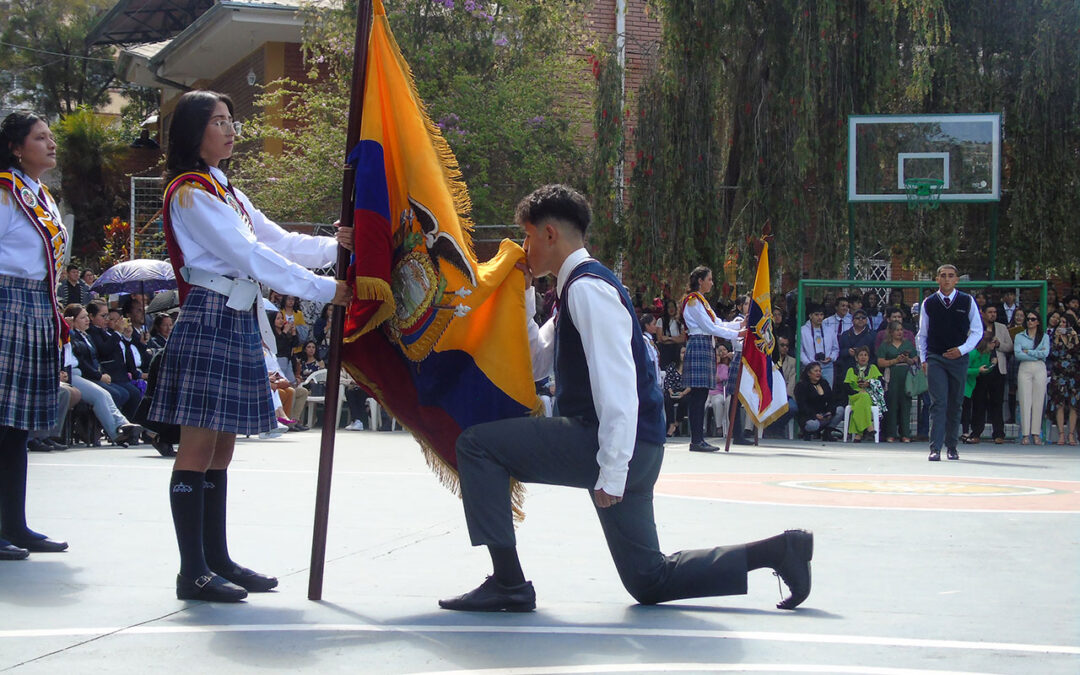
(875, 412)
(319, 377)
(374, 415)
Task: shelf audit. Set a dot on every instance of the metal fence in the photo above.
(147, 237)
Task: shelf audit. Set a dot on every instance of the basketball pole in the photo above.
(851, 240)
(993, 242)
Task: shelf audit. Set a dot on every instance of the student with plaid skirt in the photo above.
(32, 243)
(699, 367)
(212, 381)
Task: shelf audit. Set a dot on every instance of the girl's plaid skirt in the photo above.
(29, 355)
(213, 375)
(699, 366)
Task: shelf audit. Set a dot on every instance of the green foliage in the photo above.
(63, 73)
(761, 92)
(497, 78)
(89, 148)
(608, 233)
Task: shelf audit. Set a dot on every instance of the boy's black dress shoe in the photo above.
(249, 580)
(703, 447)
(12, 552)
(953, 454)
(795, 568)
(935, 456)
(55, 445)
(208, 587)
(491, 596)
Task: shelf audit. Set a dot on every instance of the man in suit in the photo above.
(949, 328)
(1007, 307)
(998, 377)
(608, 438)
(840, 320)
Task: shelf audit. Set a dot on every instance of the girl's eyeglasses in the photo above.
(237, 127)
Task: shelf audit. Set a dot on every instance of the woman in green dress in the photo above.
(865, 391)
(898, 355)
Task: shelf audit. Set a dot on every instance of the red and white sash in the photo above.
(203, 181)
(700, 298)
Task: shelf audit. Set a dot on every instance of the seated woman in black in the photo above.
(675, 393)
(159, 334)
(817, 411)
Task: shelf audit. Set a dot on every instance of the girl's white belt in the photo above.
(242, 294)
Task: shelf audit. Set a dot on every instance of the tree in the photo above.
(743, 122)
(89, 148)
(495, 77)
(44, 59)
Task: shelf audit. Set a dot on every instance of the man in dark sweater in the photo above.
(949, 328)
(608, 438)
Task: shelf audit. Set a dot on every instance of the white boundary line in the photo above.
(698, 668)
(607, 631)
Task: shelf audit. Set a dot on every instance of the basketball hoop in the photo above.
(923, 193)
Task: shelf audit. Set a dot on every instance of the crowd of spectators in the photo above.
(113, 341)
(856, 350)
(859, 351)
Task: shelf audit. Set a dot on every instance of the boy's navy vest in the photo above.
(948, 326)
(573, 388)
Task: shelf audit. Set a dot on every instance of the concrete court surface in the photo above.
(951, 567)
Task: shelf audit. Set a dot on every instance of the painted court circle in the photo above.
(879, 491)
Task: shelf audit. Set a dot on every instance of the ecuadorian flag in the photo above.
(761, 384)
(439, 339)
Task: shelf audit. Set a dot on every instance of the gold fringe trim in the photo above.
(455, 182)
(373, 288)
(421, 349)
(446, 474)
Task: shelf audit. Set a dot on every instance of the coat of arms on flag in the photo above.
(438, 338)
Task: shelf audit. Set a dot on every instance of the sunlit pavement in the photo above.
(919, 567)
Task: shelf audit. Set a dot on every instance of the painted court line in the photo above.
(699, 668)
(607, 631)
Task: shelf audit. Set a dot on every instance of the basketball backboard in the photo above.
(964, 151)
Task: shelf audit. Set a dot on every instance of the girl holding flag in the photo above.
(699, 368)
(32, 243)
(212, 380)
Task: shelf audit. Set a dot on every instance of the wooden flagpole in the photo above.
(364, 14)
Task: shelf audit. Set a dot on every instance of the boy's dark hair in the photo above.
(560, 202)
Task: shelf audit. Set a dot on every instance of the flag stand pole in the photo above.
(337, 317)
(731, 407)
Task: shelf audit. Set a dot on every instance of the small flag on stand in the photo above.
(761, 386)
